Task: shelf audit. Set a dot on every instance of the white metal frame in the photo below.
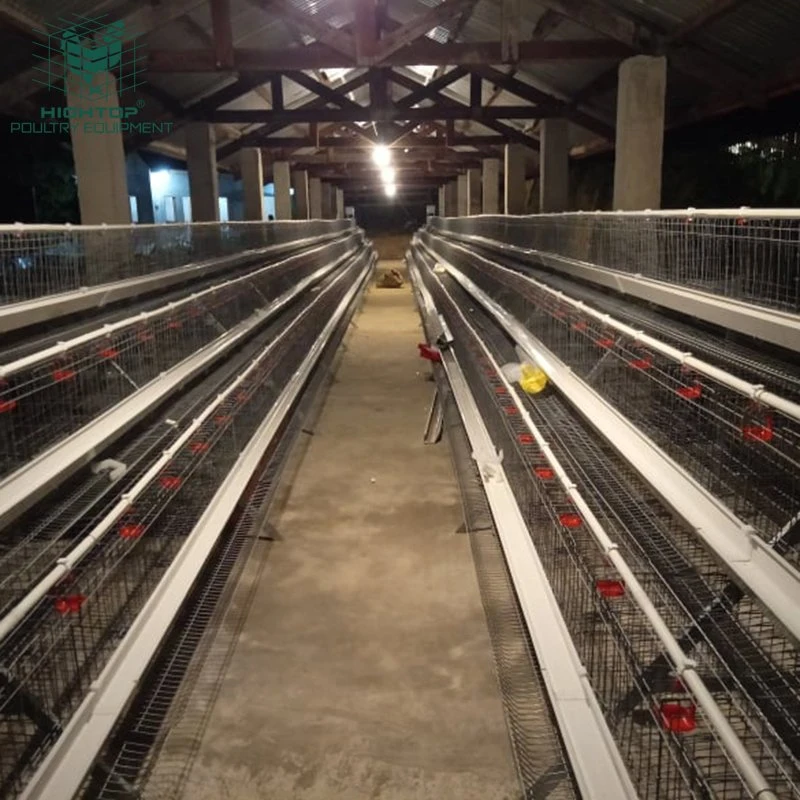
(747, 557)
(745, 388)
(760, 322)
(67, 562)
(62, 772)
(684, 666)
(20, 490)
(598, 766)
(59, 349)
(49, 307)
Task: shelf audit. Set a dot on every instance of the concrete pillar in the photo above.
(491, 186)
(451, 199)
(474, 191)
(339, 203)
(463, 195)
(440, 204)
(514, 175)
(640, 133)
(554, 166)
(315, 198)
(201, 160)
(300, 183)
(99, 157)
(252, 182)
(283, 194)
(328, 201)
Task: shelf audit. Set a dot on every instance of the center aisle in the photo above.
(364, 667)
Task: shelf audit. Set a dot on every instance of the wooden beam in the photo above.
(475, 90)
(253, 138)
(312, 25)
(509, 31)
(320, 89)
(204, 106)
(418, 27)
(276, 90)
(639, 36)
(511, 134)
(196, 30)
(534, 95)
(366, 31)
(604, 19)
(321, 56)
(421, 92)
(711, 12)
(389, 114)
(414, 143)
(223, 34)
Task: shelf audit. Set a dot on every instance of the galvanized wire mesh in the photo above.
(154, 745)
(669, 747)
(538, 749)
(756, 364)
(751, 256)
(54, 397)
(41, 260)
(50, 660)
(744, 453)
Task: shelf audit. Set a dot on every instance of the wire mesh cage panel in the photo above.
(52, 657)
(671, 749)
(41, 260)
(745, 453)
(753, 363)
(68, 386)
(746, 255)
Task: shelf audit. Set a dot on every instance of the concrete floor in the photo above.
(364, 668)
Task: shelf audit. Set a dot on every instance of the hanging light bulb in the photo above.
(381, 155)
(388, 174)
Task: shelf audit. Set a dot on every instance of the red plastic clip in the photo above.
(60, 375)
(678, 716)
(222, 419)
(429, 353)
(757, 425)
(109, 352)
(690, 392)
(175, 324)
(199, 447)
(69, 604)
(511, 410)
(605, 341)
(580, 325)
(544, 473)
(609, 588)
(525, 438)
(131, 530)
(641, 363)
(7, 405)
(170, 481)
(570, 520)
(500, 390)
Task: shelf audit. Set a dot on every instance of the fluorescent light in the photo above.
(388, 174)
(381, 155)
(391, 190)
(159, 180)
